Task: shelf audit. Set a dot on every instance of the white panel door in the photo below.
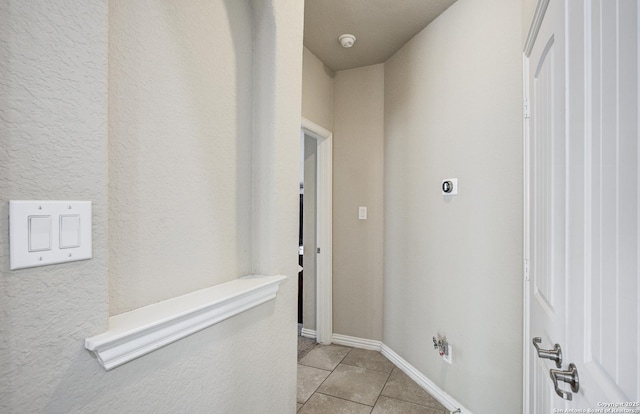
(547, 203)
(604, 322)
(583, 211)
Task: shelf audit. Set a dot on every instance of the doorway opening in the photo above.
(307, 247)
(315, 253)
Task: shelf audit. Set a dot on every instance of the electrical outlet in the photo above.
(447, 357)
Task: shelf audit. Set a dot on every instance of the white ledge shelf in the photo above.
(141, 331)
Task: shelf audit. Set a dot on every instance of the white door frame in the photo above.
(526, 253)
(536, 22)
(324, 235)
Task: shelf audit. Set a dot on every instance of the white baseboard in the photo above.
(445, 399)
(356, 342)
(308, 333)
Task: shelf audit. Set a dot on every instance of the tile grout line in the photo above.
(299, 359)
(323, 381)
(370, 369)
(334, 368)
(381, 391)
(411, 402)
(355, 366)
(311, 366)
(343, 399)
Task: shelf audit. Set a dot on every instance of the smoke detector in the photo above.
(347, 40)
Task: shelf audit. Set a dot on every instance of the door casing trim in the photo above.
(324, 226)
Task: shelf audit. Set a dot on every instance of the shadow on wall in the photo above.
(179, 149)
(130, 381)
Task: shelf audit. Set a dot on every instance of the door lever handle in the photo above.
(554, 354)
(570, 377)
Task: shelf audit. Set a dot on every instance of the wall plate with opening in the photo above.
(449, 186)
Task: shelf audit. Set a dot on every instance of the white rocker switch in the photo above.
(69, 231)
(39, 233)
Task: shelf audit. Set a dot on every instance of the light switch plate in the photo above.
(72, 216)
(362, 213)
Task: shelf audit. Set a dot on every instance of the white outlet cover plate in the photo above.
(447, 357)
(21, 252)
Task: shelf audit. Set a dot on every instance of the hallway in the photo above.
(340, 379)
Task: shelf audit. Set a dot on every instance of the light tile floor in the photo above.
(334, 379)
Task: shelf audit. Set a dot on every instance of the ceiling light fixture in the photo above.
(347, 40)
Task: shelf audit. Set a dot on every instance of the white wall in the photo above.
(528, 10)
(275, 199)
(53, 114)
(317, 91)
(454, 266)
(53, 106)
(180, 110)
(358, 137)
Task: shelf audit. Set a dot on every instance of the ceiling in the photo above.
(381, 27)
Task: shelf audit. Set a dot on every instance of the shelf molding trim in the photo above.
(141, 331)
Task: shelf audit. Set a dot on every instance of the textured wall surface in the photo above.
(53, 118)
(276, 186)
(453, 99)
(317, 91)
(358, 163)
(53, 115)
(180, 81)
